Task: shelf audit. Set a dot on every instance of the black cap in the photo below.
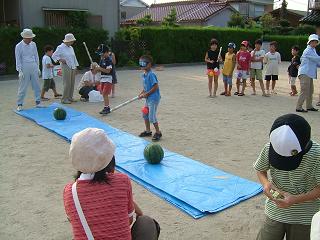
(102, 49)
(289, 142)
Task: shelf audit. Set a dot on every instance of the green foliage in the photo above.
(283, 9)
(11, 36)
(145, 21)
(77, 19)
(267, 21)
(286, 42)
(304, 30)
(284, 23)
(236, 20)
(171, 19)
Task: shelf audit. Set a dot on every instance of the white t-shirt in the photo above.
(89, 77)
(272, 61)
(257, 55)
(47, 73)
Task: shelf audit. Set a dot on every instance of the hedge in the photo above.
(286, 42)
(10, 36)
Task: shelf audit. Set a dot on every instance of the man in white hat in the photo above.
(27, 64)
(69, 63)
(310, 60)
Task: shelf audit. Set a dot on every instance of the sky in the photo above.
(292, 4)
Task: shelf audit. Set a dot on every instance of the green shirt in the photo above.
(301, 180)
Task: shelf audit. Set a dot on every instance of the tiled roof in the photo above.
(312, 18)
(187, 11)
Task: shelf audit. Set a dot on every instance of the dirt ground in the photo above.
(227, 133)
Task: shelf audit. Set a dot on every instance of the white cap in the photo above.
(313, 37)
(27, 33)
(69, 38)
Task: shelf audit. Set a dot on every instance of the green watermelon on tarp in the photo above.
(60, 114)
(153, 153)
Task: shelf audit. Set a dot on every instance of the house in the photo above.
(252, 8)
(313, 15)
(40, 13)
(292, 16)
(129, 8)
(202, 13)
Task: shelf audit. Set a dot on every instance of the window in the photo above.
(244, 9)
(123, 15)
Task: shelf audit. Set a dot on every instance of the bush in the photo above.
(286, 42)
(236, 20)
(11, 36)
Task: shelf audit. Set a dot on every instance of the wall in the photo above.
(108, 9)
(220, 19)
(131, 11)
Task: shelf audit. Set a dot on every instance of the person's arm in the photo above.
(18, 58)
(105, 70)
(253, 57)
(57, 56)
(75, 58)
(114, 61)
(279, 58)
(137, 209)
(206, 58)
(36, 55)
(313, 56)
(266, 184)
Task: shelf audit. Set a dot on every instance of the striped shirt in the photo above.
(107, 208)
(299, 181)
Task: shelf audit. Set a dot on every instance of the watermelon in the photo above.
(59, 114)
(153, 153)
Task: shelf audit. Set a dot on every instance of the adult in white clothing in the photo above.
(69, 63)
(27, 64)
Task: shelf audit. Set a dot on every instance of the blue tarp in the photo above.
(192, 186)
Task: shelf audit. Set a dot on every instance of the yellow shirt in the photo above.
(229, 63)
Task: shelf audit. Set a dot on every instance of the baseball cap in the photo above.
(289, 142)
(102, 49)
(232, 45)
(245, 43)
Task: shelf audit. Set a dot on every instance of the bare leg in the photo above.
(42, 93)
(106, 100)
(262, 87)
(253, 85)
(238, 85)
(215, 85)
(147, 123)
(156, 126)
(268, 87)
(210, 85)
(225, 87)
(113, 90)
(273, 84)
(244, 84)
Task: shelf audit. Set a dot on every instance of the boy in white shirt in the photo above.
(272, 60)
(89, 81)
(47, 74)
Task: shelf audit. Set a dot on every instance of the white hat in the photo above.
(91, 150)
(69, 38)
(27, 33)
(313, 37)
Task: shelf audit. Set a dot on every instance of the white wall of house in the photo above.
(220, 19)
(33, 15)
(249, 9)
(127, 12)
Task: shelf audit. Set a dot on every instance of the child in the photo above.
(105, 67)
(212, 60)
(257, 56)
(89, 82)
(114, 75)
(272, 60)
(307, 72)
(151, 93)
(243, 63)
(293, 69)
(47, 74)
(228, 67)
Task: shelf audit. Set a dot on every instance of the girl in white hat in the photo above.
(27, 64)
(69, 63)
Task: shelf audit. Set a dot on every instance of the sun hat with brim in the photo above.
(289, 142)
(27, 33)
(69, 37)
(91, 150)
(313, 37)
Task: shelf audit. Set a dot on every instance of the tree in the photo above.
(171, 19)
(145, 21)
(236, 20)
(267, 21)
(283, 9)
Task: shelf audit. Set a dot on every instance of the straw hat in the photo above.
(91, 150)
(69, 38)
(313, 37)
(27, 33)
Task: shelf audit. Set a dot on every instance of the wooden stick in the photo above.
(125, 103)
(85, 46)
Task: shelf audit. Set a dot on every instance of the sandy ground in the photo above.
(227, 133)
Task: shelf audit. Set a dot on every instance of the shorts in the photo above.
(105, 88)
(227, 79)
(213, 72)
(152, 115)
(242, 74)
(271, 77)
(256, 74)
(48, 84)
(292, 80)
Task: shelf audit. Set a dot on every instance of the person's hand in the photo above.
(287, 201)
(266, 190)
(211, 61)
(20, 75)
(142, 95)
(62, 61)
(39, 72)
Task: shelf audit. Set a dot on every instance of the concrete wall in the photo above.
(33, 14)
(220, 19)
(131, 11)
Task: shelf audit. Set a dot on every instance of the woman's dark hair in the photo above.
(296, 47)
(101, 176)
(48, 48)
(258, 41)
(213, 41)
(274, 43)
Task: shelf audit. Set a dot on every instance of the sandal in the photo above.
(45, 99)
(241, 94)
(145, 134)
(223, 93)
(58, 95)
(235, 93)
(156, 137)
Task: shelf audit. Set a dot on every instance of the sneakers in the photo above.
(145, 134)
(66, 102)
(82, 99)
(39, 105)
(105, 110)
(156, 137)
(45, 99)
(19, 108)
